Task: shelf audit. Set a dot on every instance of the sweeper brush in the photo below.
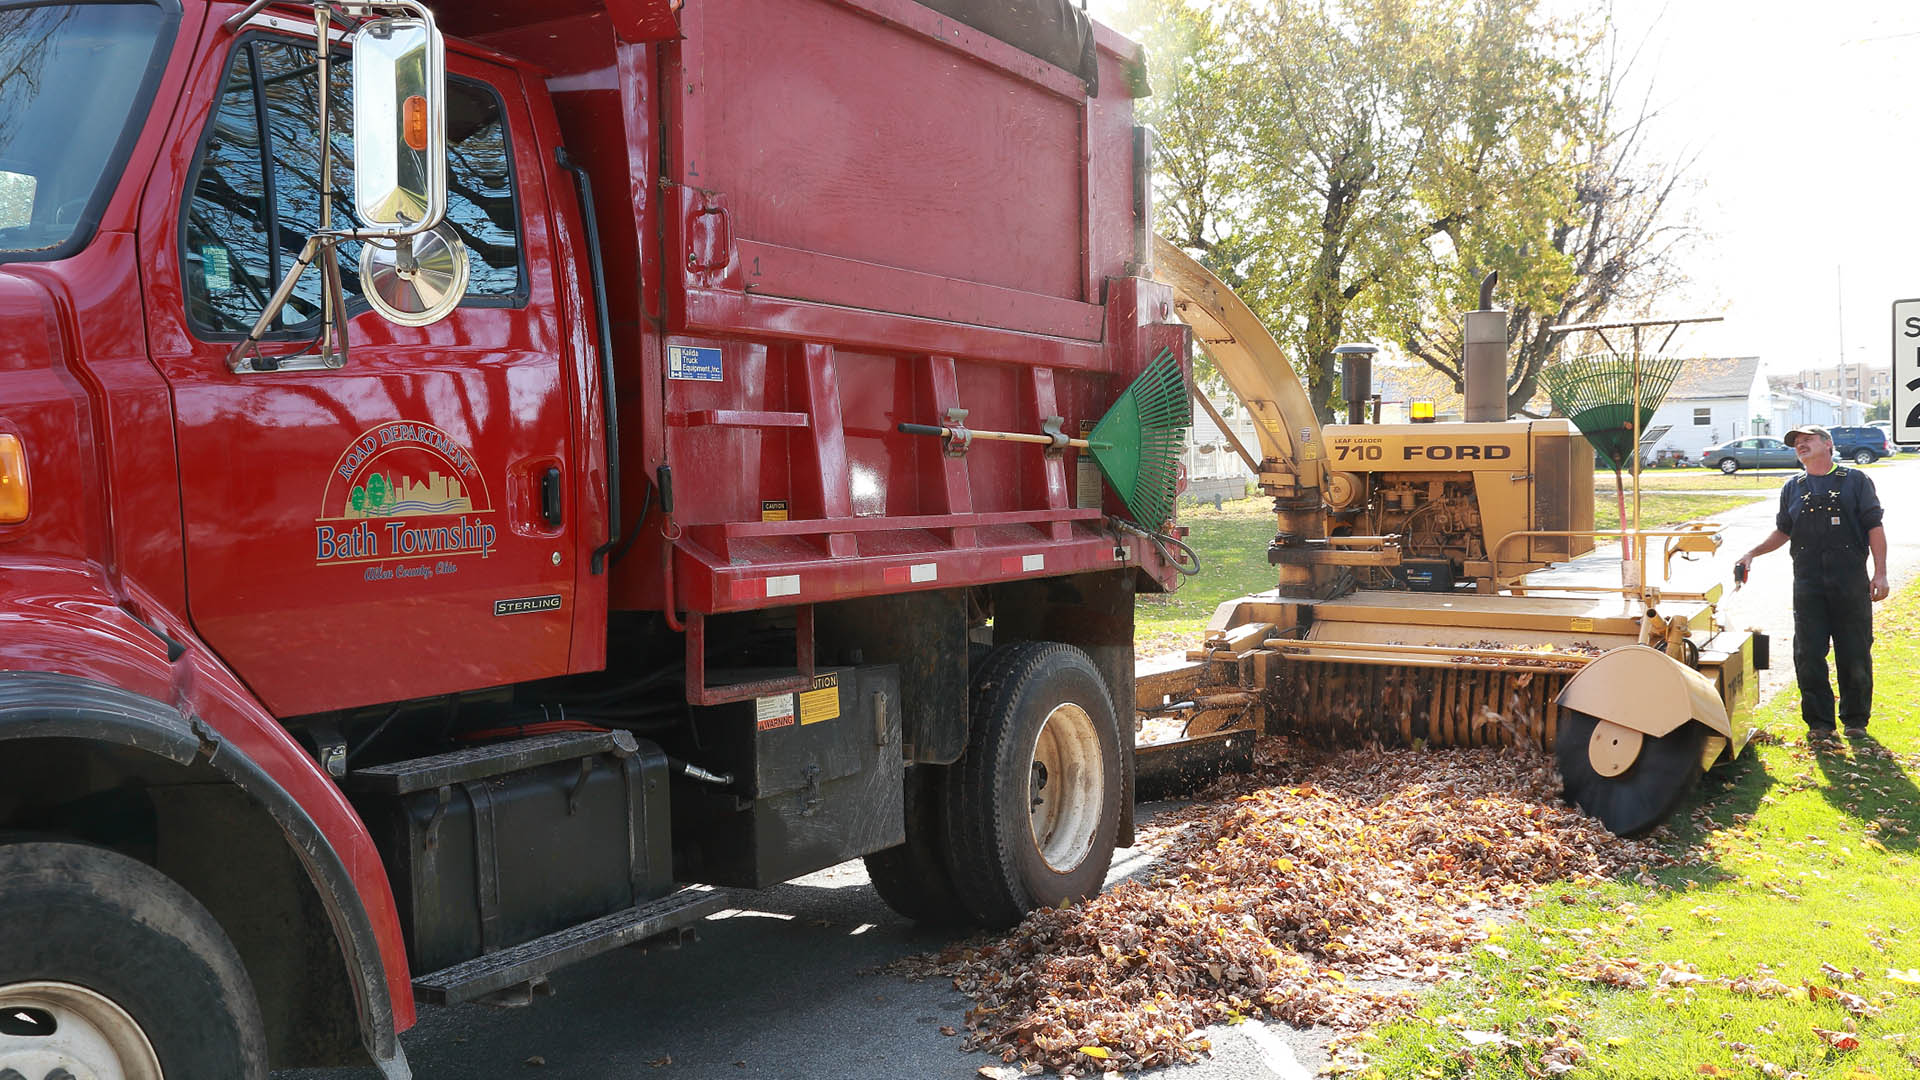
(1416, 598)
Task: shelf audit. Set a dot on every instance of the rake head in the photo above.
(1595, 391)
(1137, 443)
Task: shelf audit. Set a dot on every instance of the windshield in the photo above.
(69, 77)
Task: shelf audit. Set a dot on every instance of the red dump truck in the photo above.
(454, 517)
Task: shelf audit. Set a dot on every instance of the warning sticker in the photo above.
(773, 509)
(772, 712)
(822, 702)
(1580, 624)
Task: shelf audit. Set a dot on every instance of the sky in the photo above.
(1803, 123)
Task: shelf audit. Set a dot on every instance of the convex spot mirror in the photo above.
(415, 280)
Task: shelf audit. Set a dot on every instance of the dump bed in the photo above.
(869, 212)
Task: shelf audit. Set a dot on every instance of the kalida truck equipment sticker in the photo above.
(404, 490)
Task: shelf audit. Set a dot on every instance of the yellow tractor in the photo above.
(1403, 610)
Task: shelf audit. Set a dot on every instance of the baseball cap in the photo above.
(1793, 437)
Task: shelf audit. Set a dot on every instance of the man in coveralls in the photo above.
(1831, 516)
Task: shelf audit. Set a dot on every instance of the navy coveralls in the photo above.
(1826, 519)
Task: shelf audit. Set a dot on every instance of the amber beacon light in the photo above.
(13, 480)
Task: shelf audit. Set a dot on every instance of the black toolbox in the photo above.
(817, 779)
(494, 845)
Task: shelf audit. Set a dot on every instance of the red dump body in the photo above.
(867, 213)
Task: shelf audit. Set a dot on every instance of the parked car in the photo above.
(1886, 426)
(1759, 452)
(1860, 445)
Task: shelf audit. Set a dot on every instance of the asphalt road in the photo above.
(787, 988)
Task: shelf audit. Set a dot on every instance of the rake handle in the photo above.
(990, 436)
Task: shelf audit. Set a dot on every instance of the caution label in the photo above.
(774, 711)
(1580, 624)
(773, 509)
(822, 702)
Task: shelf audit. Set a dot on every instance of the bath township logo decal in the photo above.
(404, 490)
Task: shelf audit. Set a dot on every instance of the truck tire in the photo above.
(912, 877)
(108, 968)
(1864, 457)
(1033, 808)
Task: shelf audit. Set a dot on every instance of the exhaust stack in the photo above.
(1356, 378)
(1485, 360)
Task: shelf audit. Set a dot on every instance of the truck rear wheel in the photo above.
(1034, 806)
(109, 969)
(912, 877)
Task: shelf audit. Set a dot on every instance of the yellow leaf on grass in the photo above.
(1911, 976)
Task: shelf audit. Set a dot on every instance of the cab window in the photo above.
(255, 192)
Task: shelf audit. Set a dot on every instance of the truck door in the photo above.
(403, 525)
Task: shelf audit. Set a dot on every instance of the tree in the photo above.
(1369, 141)
(1606, 247)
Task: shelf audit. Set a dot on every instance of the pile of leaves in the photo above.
(1283, 896)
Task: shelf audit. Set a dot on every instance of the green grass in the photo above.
(1696, 480)
(1232, 545)
(1795, 865)
(1661, 510)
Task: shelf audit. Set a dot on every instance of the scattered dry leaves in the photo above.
(1282, 896)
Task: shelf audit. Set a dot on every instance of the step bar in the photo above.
(484, 975)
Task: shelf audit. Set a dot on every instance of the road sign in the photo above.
(1906, 372)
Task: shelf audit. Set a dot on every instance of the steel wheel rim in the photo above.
(48, 1026)
(1065, 787)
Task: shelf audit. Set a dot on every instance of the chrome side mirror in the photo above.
(416, 270)
(399, 127)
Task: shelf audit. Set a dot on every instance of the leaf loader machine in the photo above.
(1403, 610)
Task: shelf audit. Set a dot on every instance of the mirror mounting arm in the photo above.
(246, 356)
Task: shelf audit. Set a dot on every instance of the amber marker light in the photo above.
(413, 117)
(13, 480)
(1421, 412)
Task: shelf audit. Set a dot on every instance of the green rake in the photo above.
(1136, 444)
(1595, 390)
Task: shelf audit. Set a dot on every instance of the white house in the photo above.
(1713, 399)
(1212, 465)
(1794, 404)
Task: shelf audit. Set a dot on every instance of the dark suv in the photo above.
(1860, 445)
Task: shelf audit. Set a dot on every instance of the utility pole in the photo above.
(1840, 318)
